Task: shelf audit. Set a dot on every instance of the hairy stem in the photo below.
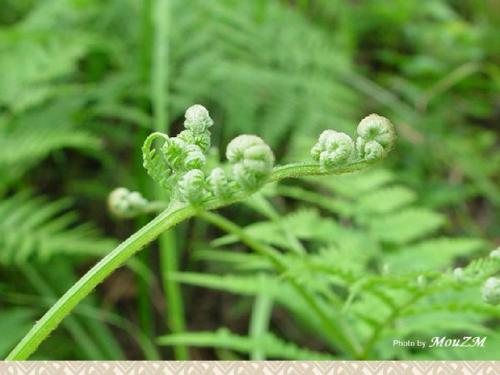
(167, 219)
(72, 325)
(95, 276)
(297, 170)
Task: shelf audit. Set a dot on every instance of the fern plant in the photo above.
(373, 258)
(74, 100)
(178, 164)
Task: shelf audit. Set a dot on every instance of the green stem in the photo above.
(159, 74)
(75, 329)
(93, 313)
(117, 257)
(169, 253)
(259, 323)
(175, 304)
(95, 276)
(146, 312)
(145, 308)
(297, 170)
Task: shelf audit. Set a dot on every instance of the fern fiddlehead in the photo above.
(172, 157)
(333, 148)
(125, 203)
(178, 164)
(183, 158)
(376, 137)
(491, 291)
(495, 254)
(252, 161)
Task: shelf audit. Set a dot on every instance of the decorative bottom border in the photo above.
(251, 368)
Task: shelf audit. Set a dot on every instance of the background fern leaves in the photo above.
(380, 275)
(32, 227)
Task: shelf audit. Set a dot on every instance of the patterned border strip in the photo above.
(251, 368)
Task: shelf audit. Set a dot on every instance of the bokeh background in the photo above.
(83, 82)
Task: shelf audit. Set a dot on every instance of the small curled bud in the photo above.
(124, 203)
(491, 291)
(332, 149)
(376, 137)
(458, 274)
(252, 161)
(191, 187)
(386, 269)
(197, 119)
(495, 254)
(421, 281)
(219, 184)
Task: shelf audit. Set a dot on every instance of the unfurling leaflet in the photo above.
(155, 162)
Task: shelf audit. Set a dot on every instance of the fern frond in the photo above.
(356, 185)
(304, 224)
(407, 225)
(27, 139)
(261, 284)
(34, 227)
(386, 200)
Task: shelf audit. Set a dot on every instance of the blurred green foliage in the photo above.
(75, 106)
